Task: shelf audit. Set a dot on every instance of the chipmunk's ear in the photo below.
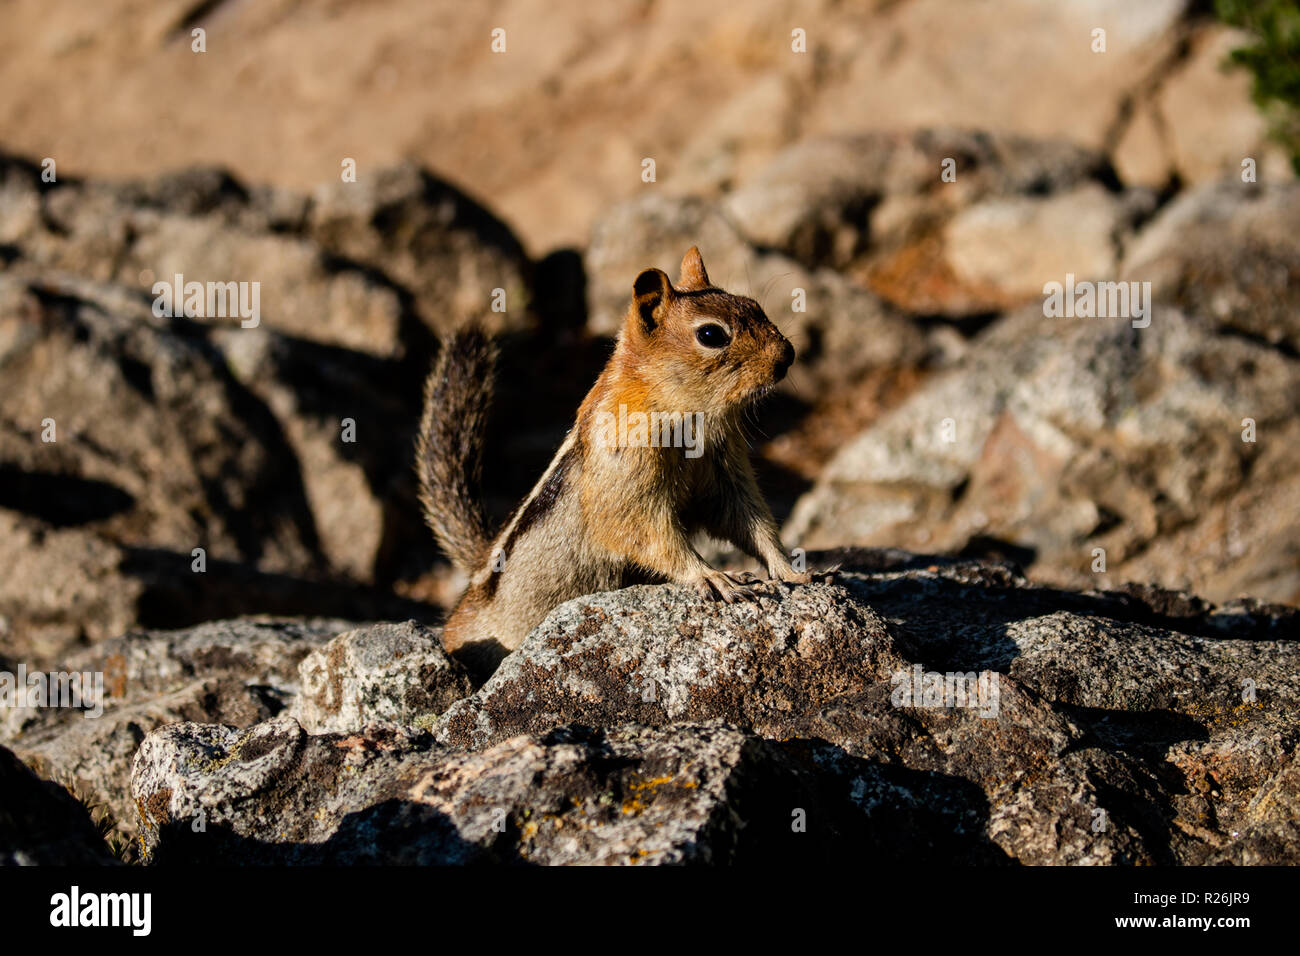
(654, 294)
(693, 276)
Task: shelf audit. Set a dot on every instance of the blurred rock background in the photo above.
(522, 171)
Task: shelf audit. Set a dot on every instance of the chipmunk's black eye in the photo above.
(712, 336)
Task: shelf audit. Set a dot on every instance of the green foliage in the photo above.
(1273, 57)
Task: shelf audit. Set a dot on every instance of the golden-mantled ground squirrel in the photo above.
(656, 454)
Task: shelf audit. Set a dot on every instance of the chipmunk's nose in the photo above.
(784, 362)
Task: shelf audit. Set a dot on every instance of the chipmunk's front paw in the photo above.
(791, 576)
(827, 575)
(720, 585)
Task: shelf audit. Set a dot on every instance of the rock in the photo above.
(701, 794)
(814, 199)
(1014, 246)
(41, 824)
(825, 201)
(727, 145)
(652, 655)
(899, 74)
(1076, 677)
(353, 283)
(159, 449)
(1141, 155)
(140, 234)
(1054, 437)
(391, 674)
(639, 726)
(152, 437)
(1207, 114)
(444, 249)
(1228, 251)
(1195, 120)
(952, 222)
(361, 491)
(392, 798)
(237, 672)
(1268, 828)
(66, 587)
(1172, 680)
(356, 265)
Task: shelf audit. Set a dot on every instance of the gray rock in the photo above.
(238, 673)
(391, 674)
(346, 266)
(1228, 251)
(655, 655)
(951, 222)
(641, 725)
(156, 449)
(815, 201)
(1148, 682)
(1054, 437)
(274, 794)
(1094, 690)
(197, 432)
(161, 448)
(1013, 246)
(426, 236)
(682, 794)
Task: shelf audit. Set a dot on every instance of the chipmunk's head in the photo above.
(700, 348)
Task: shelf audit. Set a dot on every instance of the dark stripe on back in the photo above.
(537, 508)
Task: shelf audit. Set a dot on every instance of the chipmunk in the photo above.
(613, 501)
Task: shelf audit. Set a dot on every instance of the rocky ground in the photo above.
(1142, 726)
(1118, 506)
(278, 739)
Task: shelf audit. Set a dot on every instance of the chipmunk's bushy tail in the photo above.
(449, 449)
